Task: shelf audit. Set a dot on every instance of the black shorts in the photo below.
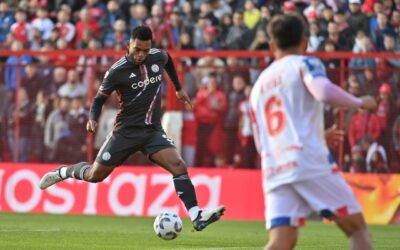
(119, 145)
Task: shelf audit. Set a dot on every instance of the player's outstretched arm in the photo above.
(171, 71)
(324, 90)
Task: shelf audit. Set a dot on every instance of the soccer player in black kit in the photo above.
(137, 79)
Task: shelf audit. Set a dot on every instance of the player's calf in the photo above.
(282, 238)
(355, 228)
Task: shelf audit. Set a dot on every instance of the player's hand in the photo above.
(183, 96)
(368, 103)
(333, 136)
(91, 126)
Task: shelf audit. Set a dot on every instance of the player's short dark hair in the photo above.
(286, 30)
(142, 33)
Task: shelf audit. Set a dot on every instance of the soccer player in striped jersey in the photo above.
(137, 79)
(299, 174)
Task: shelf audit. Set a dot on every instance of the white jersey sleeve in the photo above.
(289, 122)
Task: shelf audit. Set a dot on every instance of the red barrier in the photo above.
(140, 191)
(146, 191)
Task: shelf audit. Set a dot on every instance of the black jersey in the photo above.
(138, 88)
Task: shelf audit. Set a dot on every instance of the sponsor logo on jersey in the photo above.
(155, 68)
(132, 75)
(146, 82)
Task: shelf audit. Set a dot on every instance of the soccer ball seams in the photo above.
(167, 226)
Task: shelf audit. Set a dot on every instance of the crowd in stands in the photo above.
(53, 90)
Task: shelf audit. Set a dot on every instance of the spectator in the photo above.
(86, 24)
(91, 66)
(251, 14)
(188, 17)
(56, 129)
(112, 14)
(345, 34)
(375, 163)
(326, 18)
(21, 28)
(176, 26)
(209, 39)
(356, 19)
(289, 7)
(334, 37)
(206, 10)
(383, 28)
(370, 83)
(32, 81)
(43, 23)
(156, 24)
(12, 69)
(58, 79)
(265, 17)
(373, 20)
(247, 149)
(395, 21)
(77, 125)
(316, 6)
(239, 36)
(331, 63)
(65, 28)
(119, 35)
(96, 9)
(220, 8)
(385, 113)
(138, 14)
(23, 113)
(354, 88)
(210, 104)
(35, 40)
(362, 124)
(6, 20)
(356, 163)
(198, 31)
(40, 111)
(314, 39)
(231, 123)
(387, 67)
(73, 88)
(362, 45)
(62, 58)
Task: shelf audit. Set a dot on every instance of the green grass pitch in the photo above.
(53, 232)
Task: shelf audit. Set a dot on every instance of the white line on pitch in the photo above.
(31, 230)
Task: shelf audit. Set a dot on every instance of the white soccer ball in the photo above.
(168, 225)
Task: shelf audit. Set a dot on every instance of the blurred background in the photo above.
(54, 55)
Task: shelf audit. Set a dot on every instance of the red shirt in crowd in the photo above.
(361, 124)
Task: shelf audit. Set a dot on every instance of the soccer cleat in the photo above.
(205, 218)
(51, 178)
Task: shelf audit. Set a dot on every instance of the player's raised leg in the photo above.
(80, 171)
(170, 160)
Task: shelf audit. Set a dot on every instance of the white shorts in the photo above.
(290, 204)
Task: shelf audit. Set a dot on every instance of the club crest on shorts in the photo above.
(155, 68)
(106, 156)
